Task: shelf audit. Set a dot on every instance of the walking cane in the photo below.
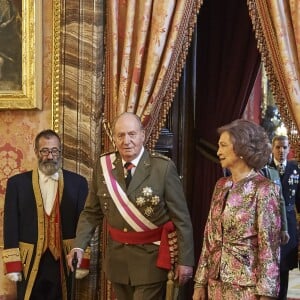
(73, 280)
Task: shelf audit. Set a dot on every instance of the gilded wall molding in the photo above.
(21, 47)
(56, 64)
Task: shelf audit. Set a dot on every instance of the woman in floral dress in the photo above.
(240, 253)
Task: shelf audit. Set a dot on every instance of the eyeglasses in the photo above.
(47, 151)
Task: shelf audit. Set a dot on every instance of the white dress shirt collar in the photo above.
(278, 163)
(48, 186)
(135, 161)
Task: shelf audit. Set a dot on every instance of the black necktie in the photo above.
(128, 166)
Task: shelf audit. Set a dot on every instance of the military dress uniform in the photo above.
(156, 192)
(26, 242)
(289, 178)
(273, 174)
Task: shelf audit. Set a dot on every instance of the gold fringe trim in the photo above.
(268, 47)
(171, 80)
(87, 253)
(110, 104)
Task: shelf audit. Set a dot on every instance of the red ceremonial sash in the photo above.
(145, 230)
(126, 208)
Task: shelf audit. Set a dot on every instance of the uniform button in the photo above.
(125, 230)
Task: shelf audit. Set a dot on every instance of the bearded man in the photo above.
(41, 210)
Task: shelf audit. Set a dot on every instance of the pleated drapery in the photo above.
(146, 42)
(277, 27)
(226, 64)
(146, 45)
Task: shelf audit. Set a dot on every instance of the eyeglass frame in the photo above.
(56, 152)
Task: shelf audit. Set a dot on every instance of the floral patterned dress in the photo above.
(240, 253)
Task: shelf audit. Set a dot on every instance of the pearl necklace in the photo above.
(247, 176)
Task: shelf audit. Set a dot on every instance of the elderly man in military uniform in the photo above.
(141, 196)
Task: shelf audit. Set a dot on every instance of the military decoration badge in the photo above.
(294, 178)
(147, 201)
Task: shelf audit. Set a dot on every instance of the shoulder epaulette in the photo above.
(106, 153)
(158, 155)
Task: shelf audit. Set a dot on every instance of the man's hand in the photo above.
(70, 257)
(183, 274)
(284, 237)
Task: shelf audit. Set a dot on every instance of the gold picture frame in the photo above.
(22, 89)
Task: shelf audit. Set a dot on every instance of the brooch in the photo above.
(228, 184)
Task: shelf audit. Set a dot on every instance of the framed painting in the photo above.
(21, 52)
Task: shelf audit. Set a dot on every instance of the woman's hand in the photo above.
(199, 293)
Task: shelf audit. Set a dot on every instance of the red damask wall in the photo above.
(17, 132)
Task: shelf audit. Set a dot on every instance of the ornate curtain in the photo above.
(277, 28)
(225, 66)
(80, 104)
(146, 45)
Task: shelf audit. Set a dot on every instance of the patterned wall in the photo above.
(17, 131)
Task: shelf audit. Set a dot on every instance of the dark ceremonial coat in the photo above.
(291, 192)
(24, 221)
(136, 264)
(272, 173)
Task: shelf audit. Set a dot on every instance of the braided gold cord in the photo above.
(268, 47)
(185, 36)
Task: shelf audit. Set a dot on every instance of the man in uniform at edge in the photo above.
(289, 172)
(138, 216)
